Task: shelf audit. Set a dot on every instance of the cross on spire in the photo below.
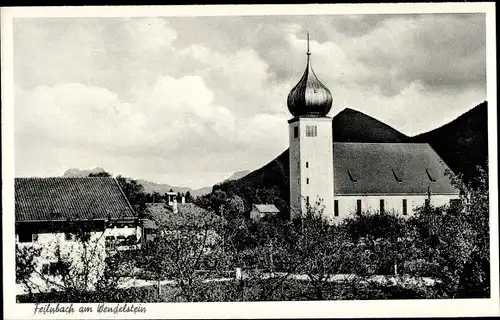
(308, 51)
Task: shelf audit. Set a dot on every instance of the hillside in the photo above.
(353, 126)
(162, 188)
(238, 175)
(462, 143)
(81, 173)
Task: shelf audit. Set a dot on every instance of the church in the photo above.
(348, 177)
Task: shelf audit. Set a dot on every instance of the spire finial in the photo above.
(308, 51)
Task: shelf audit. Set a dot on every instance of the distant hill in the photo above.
(353, 126)
(462, 143)
(238, 175)
(150, 187)
(80, 173)
(162, 188)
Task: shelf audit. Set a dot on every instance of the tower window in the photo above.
(382, 206)
(336, 208)
(307, 164)
(307, 200)
(307, 181)
(405, 207)
(295, 132)
(358, 207)
(311, 131)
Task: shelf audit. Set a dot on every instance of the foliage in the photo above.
(134, 192)
(180, 254)
(100, 174)
(379, 255)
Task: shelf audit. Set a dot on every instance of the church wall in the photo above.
(311, 166)
(392, 203)
(295, 203)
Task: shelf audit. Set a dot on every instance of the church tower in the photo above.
(311, 150)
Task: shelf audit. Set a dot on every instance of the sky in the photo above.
(189, 100)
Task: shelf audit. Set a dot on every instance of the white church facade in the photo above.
(350, 177)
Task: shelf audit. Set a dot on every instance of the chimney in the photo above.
(183, 200)
(175, 206)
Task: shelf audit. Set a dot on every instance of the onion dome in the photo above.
(309, 98)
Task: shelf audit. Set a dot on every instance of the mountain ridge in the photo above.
(454, 145)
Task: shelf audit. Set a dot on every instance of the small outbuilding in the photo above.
(260, 211)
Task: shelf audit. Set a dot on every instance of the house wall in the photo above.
(255, 214)
(311, 166)
(392, 203)
(73, 250)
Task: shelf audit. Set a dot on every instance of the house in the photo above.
(176, 218)
(63, 217)
(343, 178)
(260, 211)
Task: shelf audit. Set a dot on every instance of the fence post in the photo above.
(238, 274)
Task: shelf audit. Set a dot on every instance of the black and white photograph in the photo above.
(303, 156)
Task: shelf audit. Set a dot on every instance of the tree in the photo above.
(134, 192)
(189, 198)
(180, 252)
(99, 174)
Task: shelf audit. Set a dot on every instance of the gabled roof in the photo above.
(188, 215)
(388, 168)
(55, 199)
(266, 208)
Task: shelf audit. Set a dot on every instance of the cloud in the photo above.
(191, 99)
(150, 35)
(167, 122)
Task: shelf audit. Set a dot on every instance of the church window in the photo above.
(382, 206)
(311, 131)
(430, 175)
(307, 164)
(405, 207)
(307, 181)
(295, 132)
(397, 175)
(307, 200)
(358, 206)
(336, 208)
(352, 177)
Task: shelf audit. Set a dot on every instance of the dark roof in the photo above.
(309, 97)
(51, 199)
(388, 168)
(188, 215)
(266, 208)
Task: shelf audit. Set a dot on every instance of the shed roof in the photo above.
(266, 208)
(389, 168)
(52, 199)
